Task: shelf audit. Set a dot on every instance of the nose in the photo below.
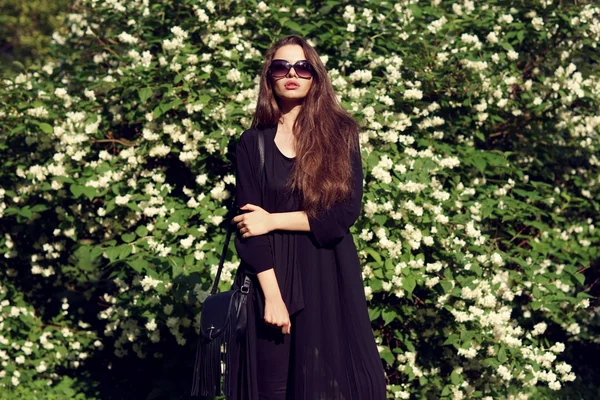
(290, 72)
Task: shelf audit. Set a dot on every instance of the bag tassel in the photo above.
(232, 352)
(210, 355)
(207, 368)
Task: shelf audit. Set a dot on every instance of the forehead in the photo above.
(290, 53)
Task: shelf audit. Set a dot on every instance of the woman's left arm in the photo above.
(328, 229)
(333, 224)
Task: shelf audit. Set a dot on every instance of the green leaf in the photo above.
(84, 259)
(25, 212)
(388, 316)
(141, 231)
(502, 355)
(126, 250)
(138, 264)
(409, 283)
(447, 286)
(144, 94)
(133, 206)
(39, 208)
(77, 190)
(446, 391)
(46, 128)
(374, 314)
(479, 163)
(177, 270)
(492, 362)
(456, 378)
(387, 355)
(453, 338)
(89, 192)
(128, 237)
(373, 253)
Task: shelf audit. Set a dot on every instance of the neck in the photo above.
(289, 113)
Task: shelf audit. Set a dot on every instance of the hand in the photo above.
(276, 314)
(256, 222)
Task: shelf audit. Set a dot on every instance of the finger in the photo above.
(236, 219)
(240, 225)
(250, 207)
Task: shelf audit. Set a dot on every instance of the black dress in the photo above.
(333, 353)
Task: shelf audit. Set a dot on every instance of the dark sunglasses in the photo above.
(280, 68)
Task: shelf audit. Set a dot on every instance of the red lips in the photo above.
(292, 85)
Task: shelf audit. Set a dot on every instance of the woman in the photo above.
(309, 335)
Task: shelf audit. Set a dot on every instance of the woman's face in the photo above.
(291, 87)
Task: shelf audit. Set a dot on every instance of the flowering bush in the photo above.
(480, 147)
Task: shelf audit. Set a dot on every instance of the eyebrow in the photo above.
(283, 59)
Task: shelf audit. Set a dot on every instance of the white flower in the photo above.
(574, 328)
(127, 38)
(234, 75)
(187, 242)
(467, 353)
(122, 200)
(151, 325)
(554, 385)
(504, 373)
(262, 7)
(557, 348)
(174, 227)
(160, 150)
(149, 283)
(201, 179)
(539, 329)
(172, 322)
(497, 259)
(512, 55)
(178, 32)
(413, 94)
(42, 367)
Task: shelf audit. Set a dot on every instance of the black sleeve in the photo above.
(332, 225)
(254, 251)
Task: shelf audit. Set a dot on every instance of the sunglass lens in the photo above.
(279, 68)
(303, 69)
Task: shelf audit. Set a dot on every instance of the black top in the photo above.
(334, 355)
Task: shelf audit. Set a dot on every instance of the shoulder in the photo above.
(248, 134)
(249, 137)
(246, 140)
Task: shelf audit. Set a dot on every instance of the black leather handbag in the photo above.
(222, 325)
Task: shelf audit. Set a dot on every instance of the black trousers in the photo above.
(273, 361)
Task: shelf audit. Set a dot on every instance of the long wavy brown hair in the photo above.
(325, 134)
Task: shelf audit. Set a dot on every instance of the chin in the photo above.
(292, 96)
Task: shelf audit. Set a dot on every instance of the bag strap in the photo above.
(261, 165)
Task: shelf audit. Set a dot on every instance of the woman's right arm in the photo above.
(255, 251)
(276, 312)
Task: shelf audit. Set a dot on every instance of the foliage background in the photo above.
(480, 148)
